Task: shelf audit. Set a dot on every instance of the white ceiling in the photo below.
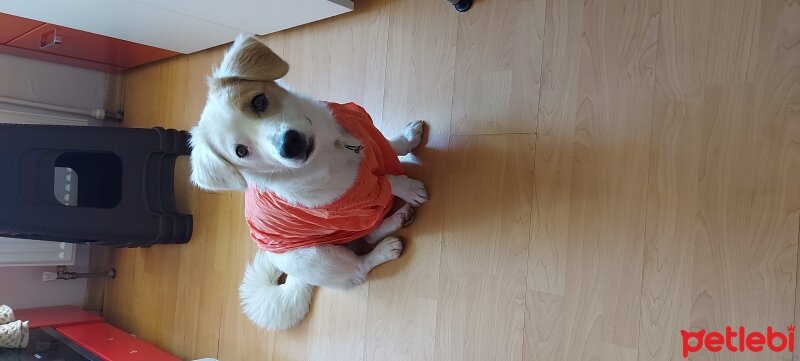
(180, 25)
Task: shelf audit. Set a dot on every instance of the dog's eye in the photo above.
(242, 151)
(259, 103)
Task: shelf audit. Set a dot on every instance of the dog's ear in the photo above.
(249, 59)
(211, 171)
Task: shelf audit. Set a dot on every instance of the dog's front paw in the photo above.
(404, 215)
(409, 138)
(390, 248)
(413, 133)
(399, 219)
(410, 190)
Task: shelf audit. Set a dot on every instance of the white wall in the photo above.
(22, 287)
(34, 80)
(51, 83)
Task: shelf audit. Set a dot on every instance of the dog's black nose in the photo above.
(293, 145)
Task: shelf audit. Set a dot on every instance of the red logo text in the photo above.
(739, 340)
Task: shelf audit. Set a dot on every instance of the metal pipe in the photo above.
(62, 274)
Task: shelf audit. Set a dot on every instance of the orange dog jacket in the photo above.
(278, 226)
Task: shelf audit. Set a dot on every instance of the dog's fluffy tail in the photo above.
(271, 305)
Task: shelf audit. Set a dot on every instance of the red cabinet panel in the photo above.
(79, 44)
(112, 344)
(12, 27)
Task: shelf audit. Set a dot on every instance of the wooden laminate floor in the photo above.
(604, 173)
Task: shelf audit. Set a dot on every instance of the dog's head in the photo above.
(250, 125)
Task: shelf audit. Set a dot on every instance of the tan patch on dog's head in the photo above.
(249, 59)
(249, 68)
(239, 94)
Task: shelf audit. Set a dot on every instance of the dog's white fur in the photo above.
(247, 69)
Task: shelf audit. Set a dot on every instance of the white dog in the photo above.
(315, 174)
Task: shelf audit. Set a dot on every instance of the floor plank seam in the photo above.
(653, 144)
